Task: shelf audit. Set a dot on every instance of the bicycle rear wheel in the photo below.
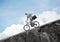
(36, 24)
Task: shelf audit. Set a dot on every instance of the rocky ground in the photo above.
(47, 33)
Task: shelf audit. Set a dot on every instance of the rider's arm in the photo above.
(26, 16)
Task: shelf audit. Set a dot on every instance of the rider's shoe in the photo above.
(32, 24)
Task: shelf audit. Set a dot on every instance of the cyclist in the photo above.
(29, 16)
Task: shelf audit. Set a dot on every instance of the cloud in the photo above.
(43, 18)
(48, 16)
(12, 30)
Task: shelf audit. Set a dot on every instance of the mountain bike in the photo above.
(31, 24)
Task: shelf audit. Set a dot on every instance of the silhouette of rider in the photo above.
(31, 18)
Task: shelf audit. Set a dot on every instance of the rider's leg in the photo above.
(31, 22)
(27, 20)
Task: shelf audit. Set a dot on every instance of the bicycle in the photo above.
(31, 24)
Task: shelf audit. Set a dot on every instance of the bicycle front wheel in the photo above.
(26, 27)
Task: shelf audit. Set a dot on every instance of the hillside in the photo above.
(46, 33)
